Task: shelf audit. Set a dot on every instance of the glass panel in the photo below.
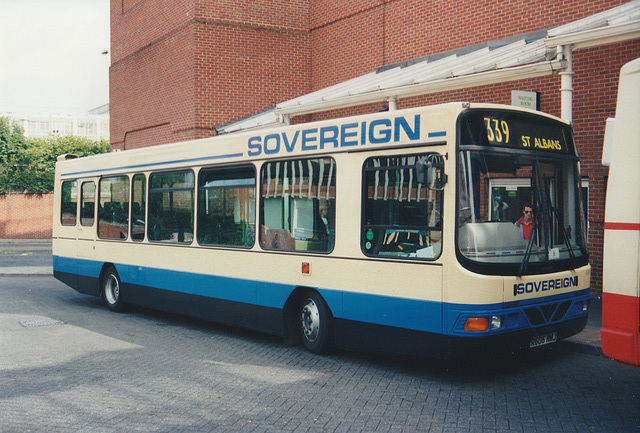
(298, 205)
(518, 194)
(226, 207)
(113, 211)
(518, 208)
(87, 207)
(507, 198)
(402, 217)
(584, 192)
(69, 205)
(138, 197)
(171, 207)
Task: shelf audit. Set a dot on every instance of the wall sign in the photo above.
(524, 99)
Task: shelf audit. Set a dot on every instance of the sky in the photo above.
(51, 57)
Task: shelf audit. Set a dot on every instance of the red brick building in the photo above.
(182, 68)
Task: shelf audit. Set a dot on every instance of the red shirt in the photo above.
(527, 228)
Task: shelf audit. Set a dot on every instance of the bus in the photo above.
(446, 231)
(620, 333)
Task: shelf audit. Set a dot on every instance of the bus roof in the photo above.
(421, 125)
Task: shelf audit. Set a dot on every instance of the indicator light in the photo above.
(476, 324)
(306, 268)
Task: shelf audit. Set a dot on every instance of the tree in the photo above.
(28, 164)
(11, 137)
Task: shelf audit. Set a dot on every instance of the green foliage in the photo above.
(27, 165)
(11, 139)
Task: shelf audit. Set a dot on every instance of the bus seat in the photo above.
(278, 238)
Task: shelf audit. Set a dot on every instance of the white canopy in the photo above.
(511, 59)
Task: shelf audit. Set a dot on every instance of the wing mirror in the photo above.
(430, 172)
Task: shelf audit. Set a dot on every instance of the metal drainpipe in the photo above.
(566, 84)
(393, 104)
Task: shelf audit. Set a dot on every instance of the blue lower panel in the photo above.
(231, 289)
(381, 310)
(531, 314)
(239, 314)
(396, 312)
(369, 337)
(363, 322)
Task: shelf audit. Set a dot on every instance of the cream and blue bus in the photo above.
(441, 231)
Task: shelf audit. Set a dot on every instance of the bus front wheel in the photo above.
(316, 327)
(112, 290)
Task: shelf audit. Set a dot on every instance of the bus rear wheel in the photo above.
(316, 324)
(112, 289)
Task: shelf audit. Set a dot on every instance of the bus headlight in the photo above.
(481, 324)
(496, 322)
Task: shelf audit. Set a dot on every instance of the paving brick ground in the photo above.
(67, 364)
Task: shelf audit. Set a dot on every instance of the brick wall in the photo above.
(249, 69)
(155, 90)
(181, 68)
(390, 31)
(26, 216)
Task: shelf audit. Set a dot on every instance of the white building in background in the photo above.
(94, 125)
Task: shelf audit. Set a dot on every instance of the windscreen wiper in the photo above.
(563, 232)
(527, 254)
(538, 190)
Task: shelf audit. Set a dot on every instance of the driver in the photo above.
(526, 221)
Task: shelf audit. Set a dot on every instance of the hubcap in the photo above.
(112, 289)
(310, 319)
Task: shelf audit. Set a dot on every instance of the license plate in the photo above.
(541, 340)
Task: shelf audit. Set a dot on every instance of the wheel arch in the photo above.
(103, 271)
(291, 333)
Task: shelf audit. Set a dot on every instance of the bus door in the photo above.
(86, 229)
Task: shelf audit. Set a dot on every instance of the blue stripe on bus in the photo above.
(384, 310)
(151, 164)
(420, 315)
(437, 134)
(399, 312)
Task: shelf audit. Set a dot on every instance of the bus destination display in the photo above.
(515, 130)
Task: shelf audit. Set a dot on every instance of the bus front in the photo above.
(523, 278)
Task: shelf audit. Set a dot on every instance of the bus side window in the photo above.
(226, 206)
(113, 212)
(87, 205)
(138, 194)
(402, 216)
(69, 205)
(171, 207)
(298, 205)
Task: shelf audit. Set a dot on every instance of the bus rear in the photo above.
(620, 332)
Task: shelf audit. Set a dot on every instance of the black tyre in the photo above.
(315, 323)
(112, 289)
